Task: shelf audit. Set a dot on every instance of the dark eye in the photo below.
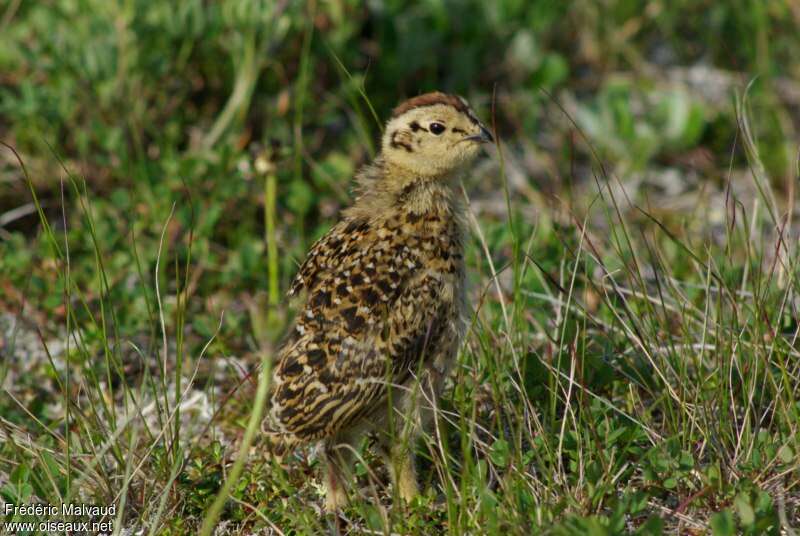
(436, 128)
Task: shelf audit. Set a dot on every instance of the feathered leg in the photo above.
(338, 457)
(401, 461)
(414, 412)
(396, 446)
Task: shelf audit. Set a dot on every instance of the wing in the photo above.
(340, 242)
(371, 312)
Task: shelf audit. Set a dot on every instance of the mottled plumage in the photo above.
(384, 295)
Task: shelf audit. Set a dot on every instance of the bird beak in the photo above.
(484, 136)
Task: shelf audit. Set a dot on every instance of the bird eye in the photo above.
(436, 128)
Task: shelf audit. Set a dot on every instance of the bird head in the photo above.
(433, 135)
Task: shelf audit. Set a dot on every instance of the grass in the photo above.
(631, 364)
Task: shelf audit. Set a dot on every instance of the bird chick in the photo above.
(384, 301)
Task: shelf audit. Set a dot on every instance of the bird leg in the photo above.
(398, 454)
(405, 472)
(338, 458)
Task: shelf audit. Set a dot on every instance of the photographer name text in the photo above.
(92, 512)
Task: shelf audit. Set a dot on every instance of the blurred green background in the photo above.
(153, 103)
(152, 128)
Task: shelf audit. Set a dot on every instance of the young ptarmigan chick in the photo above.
(384, 308)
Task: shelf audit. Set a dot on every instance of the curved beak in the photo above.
(484, 136)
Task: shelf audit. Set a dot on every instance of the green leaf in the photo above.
(786, 454)
(652, 527)
(18, 490)
(500, 453)
(722, 524)
(745, 510)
